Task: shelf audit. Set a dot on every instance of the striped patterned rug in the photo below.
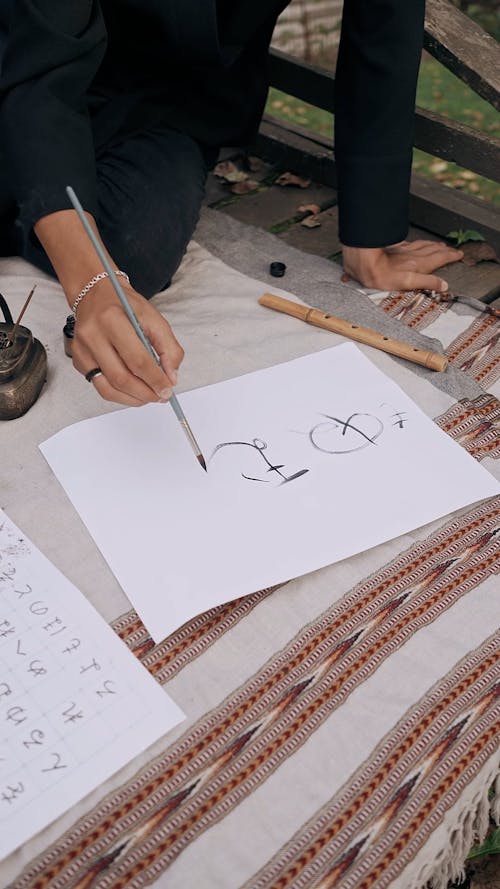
(342, 730)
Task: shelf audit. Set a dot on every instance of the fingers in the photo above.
(429, 262)
(106, 391)
(83, 361)
(105, 338)
(130, 368)
(120, 377)
(168, 349)
(436, 252)
(410, 280)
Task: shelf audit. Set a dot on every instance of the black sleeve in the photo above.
(53, 50)
(379, 57)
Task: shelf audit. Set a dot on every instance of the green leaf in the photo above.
(491, 846)
(460, 236)
(471, 235)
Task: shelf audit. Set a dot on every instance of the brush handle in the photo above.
(179, 413)
(354, 332)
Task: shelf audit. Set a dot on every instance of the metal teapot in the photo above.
(23, 365)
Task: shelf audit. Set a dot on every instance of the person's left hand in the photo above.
(404, 266)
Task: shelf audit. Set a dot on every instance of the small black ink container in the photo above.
(277, 269)
(68, 334)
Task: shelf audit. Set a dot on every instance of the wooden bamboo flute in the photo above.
(432, 360)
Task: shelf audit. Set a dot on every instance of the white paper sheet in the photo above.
(330, 458)
(75, 704)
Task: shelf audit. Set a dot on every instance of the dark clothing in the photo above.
(150, 187)
(81, 77)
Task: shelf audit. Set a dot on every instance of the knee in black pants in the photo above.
(150, 193)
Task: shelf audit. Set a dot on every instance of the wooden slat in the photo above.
(308, 83)
(292, 149)
(441, 210)
(457, 142)
(450, 36)
(432, 206)
(463, 47)
(435, 134)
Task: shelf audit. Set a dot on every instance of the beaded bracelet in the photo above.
(90, 284)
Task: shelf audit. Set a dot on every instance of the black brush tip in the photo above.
(201, 461)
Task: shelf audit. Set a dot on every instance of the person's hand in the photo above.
(404, 266)
(104, 338)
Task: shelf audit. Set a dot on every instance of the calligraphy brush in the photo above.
(179, 413)
(21, 313)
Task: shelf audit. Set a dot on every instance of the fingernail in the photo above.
(165, 394)
(444, 286)
(173, 376)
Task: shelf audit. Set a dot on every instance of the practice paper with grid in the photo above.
(75, 704)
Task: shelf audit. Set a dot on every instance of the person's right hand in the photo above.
(104, 338)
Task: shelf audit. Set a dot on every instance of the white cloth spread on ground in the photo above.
(339, 730)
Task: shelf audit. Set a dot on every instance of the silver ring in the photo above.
(92, 374)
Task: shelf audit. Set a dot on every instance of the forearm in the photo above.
(69, 249)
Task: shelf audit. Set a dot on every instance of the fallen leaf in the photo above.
(244, 187)
(255, 164)
(478, 251)
(293, 179)
(438, 167)
(230, 172)
(237, 176)
(309, 208)
(311, 222)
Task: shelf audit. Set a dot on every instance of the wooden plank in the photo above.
(432, 205)
(276, 205)
(307, 82)
(434, 133)
(322, 241)
(441, 209)
(481, 281)
(457, 142)
(463, 47)
(295, 149)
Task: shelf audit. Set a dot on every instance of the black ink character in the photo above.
(72, 714)
(54, 627)
(72, 646)
(57, 765)
(35, 739)
(260, 446)
(10, 793)
(6, 629)
(36, 667)
(335, 436)
(107, 689)
(399, 417)
(16, 715)
(8, 573)
(38, 607)
(92, 666)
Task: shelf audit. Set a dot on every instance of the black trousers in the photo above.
(150, 190)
